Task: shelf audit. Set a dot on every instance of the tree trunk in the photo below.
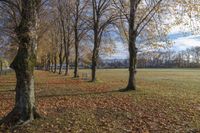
(49, 62)
(1, 65)
(76, 54)
(94, 67)
(52, 63)
(67, 57)
(95, 56)
(60, 59)
(55, 64)
(132, 48)
(23, 64)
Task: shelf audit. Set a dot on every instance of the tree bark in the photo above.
(24, 64)
(95, 55)
(94, 66)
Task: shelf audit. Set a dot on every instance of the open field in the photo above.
(166, 101)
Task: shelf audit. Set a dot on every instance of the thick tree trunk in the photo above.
(132, 68)
(95, 57)
(132, 48)
(23, 65)
(76, 54)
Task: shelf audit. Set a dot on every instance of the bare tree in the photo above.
(103, 16)
(80, 29)
(68, 32)
(196, 54)
(141, 13)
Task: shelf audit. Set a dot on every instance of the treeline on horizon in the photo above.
(189, 58)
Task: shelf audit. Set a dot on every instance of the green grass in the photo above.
(166, 100)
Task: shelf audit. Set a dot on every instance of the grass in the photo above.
(166, 100)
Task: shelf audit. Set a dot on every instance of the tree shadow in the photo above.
(79, 94)
(9, 90)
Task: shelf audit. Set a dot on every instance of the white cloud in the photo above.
(186, 42)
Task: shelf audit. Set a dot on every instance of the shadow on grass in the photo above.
(8, 90)
(82, 94)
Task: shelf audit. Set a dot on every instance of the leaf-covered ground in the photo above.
(166, 101)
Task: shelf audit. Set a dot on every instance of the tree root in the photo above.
(14, 120)
(10, 119)
(126, 89)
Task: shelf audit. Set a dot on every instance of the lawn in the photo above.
(166, 101)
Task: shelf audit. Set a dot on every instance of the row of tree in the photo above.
(82, 30)
(38, 26)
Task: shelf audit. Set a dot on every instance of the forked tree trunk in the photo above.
(23, 65)
(132, 48)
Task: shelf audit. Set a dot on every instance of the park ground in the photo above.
(166, 101)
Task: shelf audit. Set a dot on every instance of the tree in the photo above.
(80, 29)
(140, 15)
(103, 16)
(24, 63)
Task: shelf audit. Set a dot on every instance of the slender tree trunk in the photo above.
(55, 64)
(94, 67)
(49, 62)
(66, 44)
(67, 66)
(67, 52)
(1, 65)
(76, 54)
(24, 64)
(132, 48)
(60, 59)
(52, 63)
